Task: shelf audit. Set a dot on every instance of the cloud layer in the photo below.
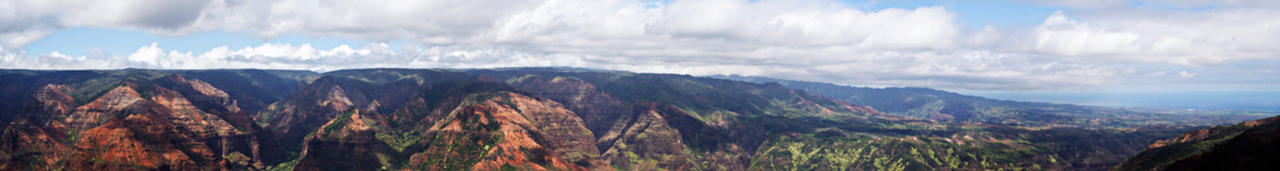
(819, 40)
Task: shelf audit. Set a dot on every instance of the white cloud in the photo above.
(1190, 39)
(17, 39)
(1063, 36)
(1184, 74)
(147, 54)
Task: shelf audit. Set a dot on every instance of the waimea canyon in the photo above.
(572, 119)
(640, 85)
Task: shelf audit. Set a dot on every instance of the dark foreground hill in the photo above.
(1251, 145)
(522, 118)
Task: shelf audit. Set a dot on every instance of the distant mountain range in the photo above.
(1242, 99)
(543, 119)
(948, 106)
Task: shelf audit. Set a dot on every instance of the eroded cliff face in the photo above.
(51, 101)
(212, 116)
(639, 139)
(36, 139)
(648, 143)
(348, 142)
(660, 136)
(507, 130)
(292, 120)
(202, 92)
(597, 109)
(140, 140)
(125, 129)
(196, 122)
(522, 144)
(566, 135)
(101, 109)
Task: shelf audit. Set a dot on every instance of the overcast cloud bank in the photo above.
(1098, 43)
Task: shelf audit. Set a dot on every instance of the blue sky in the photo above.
(1019, 49)
(974, 13)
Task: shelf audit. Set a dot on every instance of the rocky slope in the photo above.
(1250, 145)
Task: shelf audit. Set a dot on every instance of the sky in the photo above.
(985, 47)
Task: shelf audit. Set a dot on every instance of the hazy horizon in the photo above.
(1245, 100)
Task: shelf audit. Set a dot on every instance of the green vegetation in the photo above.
(286, 166)
(461, 150)
(339, 122)
(236, 157)
(399, 140)
(809, 152)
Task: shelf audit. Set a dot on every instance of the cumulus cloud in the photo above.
(817, 40)
(25, 21)
(17, 39)
(1190, 39)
